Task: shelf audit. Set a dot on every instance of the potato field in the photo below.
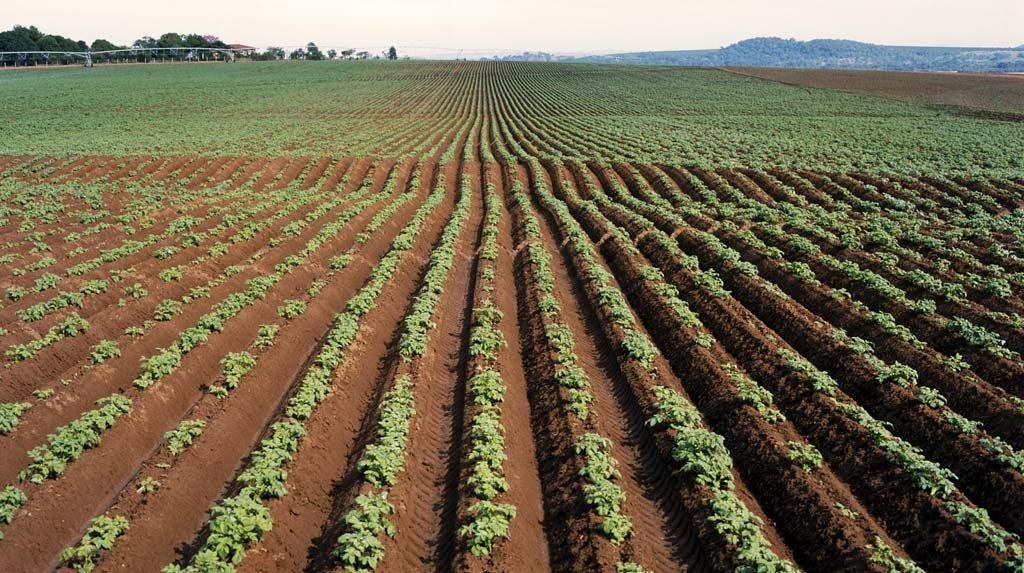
(495, 316)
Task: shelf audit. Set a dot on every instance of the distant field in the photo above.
(474, 317)
(687, 116)
(993, 92)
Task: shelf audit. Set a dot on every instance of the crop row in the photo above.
(486, 520)
(359, 547)
(242, 518)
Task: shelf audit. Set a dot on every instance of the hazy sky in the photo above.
(543, 25)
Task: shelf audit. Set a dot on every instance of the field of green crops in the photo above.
(704, 117)
(495, 316)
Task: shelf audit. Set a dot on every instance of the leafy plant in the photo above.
(805, 455)
(181, 437)
(359, 548)
(103, 351)
(68, 442)
(11, 499)
(234, 365)
(600, 491)
(15, 293)
(385, 458)
(489, 524)
(884, 555)
(171, 274)
(100, 536)
(147, 485)
(10, 415)
(265, 336)
(291, 308)
(43, 393)
(166, 310)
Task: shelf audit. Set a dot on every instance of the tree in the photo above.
(17, 40)
(313, 52)
(196, 41)
(347, 54)
(31, 32)
(144, 43)
(170, 40)
(271, 53)
(392, 53)
(332, 53)
(101, 45)
(362, 55)
(297, 55)
(49, 44)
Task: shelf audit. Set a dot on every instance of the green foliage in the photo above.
(171, 274)
(10, 415)
(805, 455)
(43, 393)
(104, 350)
(742, 528)
(793, 127)
(265, 475)
(486, 454)
(931, 397)
(166, 310)
(484, 339)
(147, 485)
(599, 490)
(71, 326)
(157, 366)
(384, 459)
(265, 336)
(977, 521)
(754, 394)
(418, 322)
(242, 519)
(341, 261)
(135, 291)
(291, 308)
(487, 388)
(489, 524)
(702, 455)
(166, 252)
(234, 523)
(234, 365)
(847, 512)
(884, 555)
(818, 225)
(100, 536)
(68, 442)
(15, 293)
(981, 337)
(897, 373)
(11, 499)
(1004, 452)
(181, 437)
(359, 548)
(928, 476)
(820, 381)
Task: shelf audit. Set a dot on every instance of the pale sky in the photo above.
(561, 26)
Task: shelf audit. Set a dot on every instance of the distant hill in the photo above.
(844, 54)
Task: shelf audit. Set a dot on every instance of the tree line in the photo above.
(171, 46)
